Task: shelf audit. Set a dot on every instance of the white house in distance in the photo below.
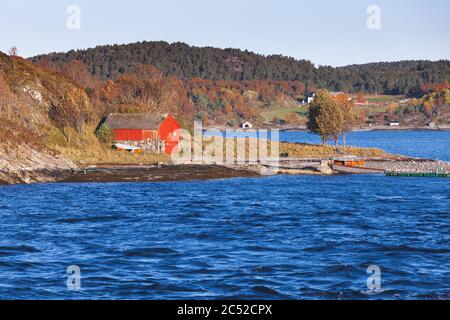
(246, 125)
(309, 98)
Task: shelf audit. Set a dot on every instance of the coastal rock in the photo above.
(325, 168)
(25, 164)
(411, 166)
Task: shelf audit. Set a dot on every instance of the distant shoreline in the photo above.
(376, 128)
(304, 129)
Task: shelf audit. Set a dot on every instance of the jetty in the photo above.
(418, 168)
(417, 174)
(396, 167)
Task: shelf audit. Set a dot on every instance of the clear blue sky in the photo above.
(326, 32)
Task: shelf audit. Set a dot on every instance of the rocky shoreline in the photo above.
(23, 176)
(161, 173)
(125, 173)
(412, 166)
(25, 164)
(190, 172)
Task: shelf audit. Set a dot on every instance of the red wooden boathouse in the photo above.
(144, 127)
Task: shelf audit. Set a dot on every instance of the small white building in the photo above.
(246, 125)
(394, 124)
(309, 98)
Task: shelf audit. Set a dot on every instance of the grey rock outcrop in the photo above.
(24, 164)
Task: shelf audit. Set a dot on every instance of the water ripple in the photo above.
(282, 237)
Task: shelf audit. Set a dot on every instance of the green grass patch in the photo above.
(372, 109)
(383, 98)
(281, 113)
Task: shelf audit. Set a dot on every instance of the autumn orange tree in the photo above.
(432, 103)
(360, 97)
(325, 118)
(347, 108)
(428, 108)
(78, 71)
(144, 90)
(73, 110)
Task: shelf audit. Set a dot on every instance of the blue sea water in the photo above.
(418, 143)
(413, 143)
(293, 237)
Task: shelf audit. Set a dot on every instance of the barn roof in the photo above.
(143, 121)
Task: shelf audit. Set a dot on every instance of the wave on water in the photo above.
(4, 250)
(389, 197)
(436, 197)
(90, 219)
(147, 252)
(316, 243)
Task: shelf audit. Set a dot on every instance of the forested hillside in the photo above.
(403, 77)
(47, 121)
(50, 110)
(187, 62)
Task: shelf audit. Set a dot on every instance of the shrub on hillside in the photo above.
(104, 133)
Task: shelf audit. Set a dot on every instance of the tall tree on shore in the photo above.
(325, 118)
(347, 108)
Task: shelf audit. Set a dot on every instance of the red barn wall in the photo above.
(149, 134)
(133, 134)
(166, 133)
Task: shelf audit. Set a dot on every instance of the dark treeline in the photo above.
(403, 77)
(186, 62)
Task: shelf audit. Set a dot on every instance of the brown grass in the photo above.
(85, 149)
(302, 150)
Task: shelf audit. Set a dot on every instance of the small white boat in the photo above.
(126, 147)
